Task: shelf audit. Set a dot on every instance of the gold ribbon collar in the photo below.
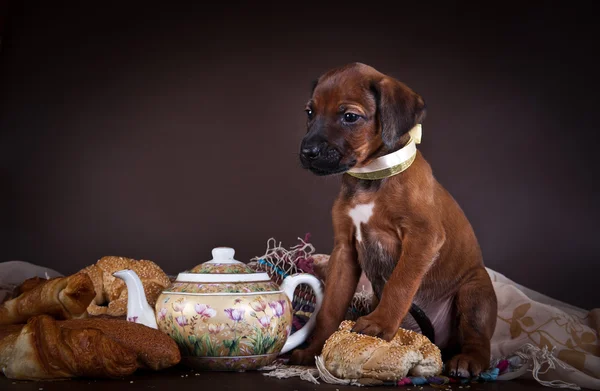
(393, 163)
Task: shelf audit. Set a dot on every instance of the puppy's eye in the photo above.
(351, 117)
(309, 113)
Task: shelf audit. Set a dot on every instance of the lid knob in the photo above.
(223, 253)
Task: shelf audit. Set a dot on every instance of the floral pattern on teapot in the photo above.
(222, 326)
(221, 268)
(247, 287)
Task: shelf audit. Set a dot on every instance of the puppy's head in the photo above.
(355, 115)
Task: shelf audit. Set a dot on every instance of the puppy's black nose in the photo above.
(311, 152)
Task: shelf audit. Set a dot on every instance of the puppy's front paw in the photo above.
(466, 365)
(375, 326)
(303, 357)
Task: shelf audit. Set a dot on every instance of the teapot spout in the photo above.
(138, 309)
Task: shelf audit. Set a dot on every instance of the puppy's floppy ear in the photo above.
(399, 109)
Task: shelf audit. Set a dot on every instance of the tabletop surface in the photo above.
(179, 378)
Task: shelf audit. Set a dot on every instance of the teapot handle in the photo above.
(289, 286)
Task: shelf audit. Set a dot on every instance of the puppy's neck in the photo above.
(391, 163)
(352, 186)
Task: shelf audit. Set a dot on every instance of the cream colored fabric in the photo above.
(529, 321)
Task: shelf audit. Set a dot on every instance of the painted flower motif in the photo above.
(568, 322)
(204, 310)
(162, 314)
(133, 319)
(258, 305)
(278, 307)
(235, 314)
(181, 320)
(215, 328)
(179, 305)
(265, 321)
(237, 301)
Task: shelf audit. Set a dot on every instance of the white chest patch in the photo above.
(361, 214)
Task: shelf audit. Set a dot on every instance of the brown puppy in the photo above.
(405, 231)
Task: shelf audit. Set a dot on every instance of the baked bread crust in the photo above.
(47, 349)
(348, 355)
(111, 292)
(60, 297)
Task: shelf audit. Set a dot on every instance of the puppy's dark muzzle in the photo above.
(312, 151)
(320, 158)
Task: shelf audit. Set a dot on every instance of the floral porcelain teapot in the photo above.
(222, 314)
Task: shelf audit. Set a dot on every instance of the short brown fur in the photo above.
(415, 222)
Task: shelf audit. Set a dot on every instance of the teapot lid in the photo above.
(222, 268)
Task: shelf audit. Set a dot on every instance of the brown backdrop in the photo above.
(159, 132)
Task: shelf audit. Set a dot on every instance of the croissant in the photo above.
(348, 355)
(60, 297)
(46, 349)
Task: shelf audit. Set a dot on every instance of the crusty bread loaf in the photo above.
(60, 297)
(111, 292)
(29, 284)
(46, 349)
(154, 349)
(349, 355)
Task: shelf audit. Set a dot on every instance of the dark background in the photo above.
(161, 131)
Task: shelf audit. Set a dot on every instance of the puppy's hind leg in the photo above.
(476, 309)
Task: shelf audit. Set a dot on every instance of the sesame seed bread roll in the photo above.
(349, 355)
(111, 292)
